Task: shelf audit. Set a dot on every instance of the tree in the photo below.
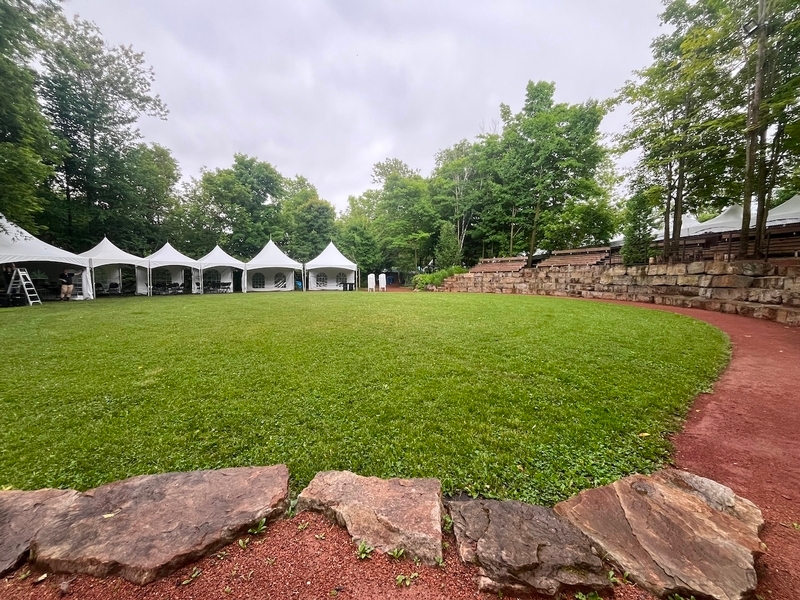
(639, 221)
(93, 95)
(448, 251)
(456, 187)
(313, 230)
(407, 219)
(27, 149)
(579, 224)
(552, 154)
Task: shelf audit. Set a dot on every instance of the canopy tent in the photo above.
(785, 214)
(330, 270)
(223, 264)
(106, 261)
(688, 223)
(172, 260)
(729, 220)
(270, 271)
(21, 248)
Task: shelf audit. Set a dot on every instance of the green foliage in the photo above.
(405, 580)
(27, 149)
(396, 553)
(364, 550)
(424, 279)
(580, 224)
(536, 399)
(258, 527)
(639, 223)
(448, 253)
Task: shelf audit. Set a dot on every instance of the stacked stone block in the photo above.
(755, 289)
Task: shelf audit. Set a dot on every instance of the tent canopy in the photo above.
(729, 220)
(106, 253)
(17, 245)
(271, 257)
(167, 256)
(219, 258)
(786, 213)
(688, 224)
(331, 258)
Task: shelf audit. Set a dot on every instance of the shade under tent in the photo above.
(106, 261)
(22, 248)
(224, 264)
(174, 262)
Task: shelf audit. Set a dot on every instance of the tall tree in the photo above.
(94, 94)
(27, 149)
(552, 154)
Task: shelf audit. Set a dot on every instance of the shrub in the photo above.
(424, 279)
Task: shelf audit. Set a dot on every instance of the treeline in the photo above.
(716, 119)
(74, 168)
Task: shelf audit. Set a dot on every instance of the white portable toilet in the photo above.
(371, 282)
(382, 282)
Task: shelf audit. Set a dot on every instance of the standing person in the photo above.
(66, 284)
(8, 272)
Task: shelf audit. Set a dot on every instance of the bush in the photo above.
(424, 279)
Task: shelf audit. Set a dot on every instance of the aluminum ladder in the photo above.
(21, 284)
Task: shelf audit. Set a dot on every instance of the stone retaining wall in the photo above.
(754, 289)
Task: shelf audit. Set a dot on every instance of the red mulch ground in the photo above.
(746, 434)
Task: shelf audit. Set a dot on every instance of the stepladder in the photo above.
(21, 285)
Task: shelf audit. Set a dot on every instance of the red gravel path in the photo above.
(746, 434)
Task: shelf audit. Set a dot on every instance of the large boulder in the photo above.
(146, 527)
(520, 548)
(22, 515)
(668, 532)
(384, 513)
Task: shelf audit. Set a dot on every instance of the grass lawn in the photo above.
(507, 396)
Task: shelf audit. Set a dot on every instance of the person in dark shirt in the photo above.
(66, 284)
(8, 272)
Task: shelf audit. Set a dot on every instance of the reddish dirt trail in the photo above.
(746, 435)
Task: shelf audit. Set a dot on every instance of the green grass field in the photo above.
(507, 396)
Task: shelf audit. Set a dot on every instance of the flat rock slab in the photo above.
(521, 548)
(22, 515)
(146, 527)
(384, 513)
(668, 533)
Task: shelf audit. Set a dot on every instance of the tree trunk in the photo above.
(761, 206)
(667, 211)
(678, 209)
(753, 118)
(534, 231)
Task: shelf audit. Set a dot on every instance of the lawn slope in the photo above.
(507, 396)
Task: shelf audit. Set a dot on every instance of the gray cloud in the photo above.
(326, 88)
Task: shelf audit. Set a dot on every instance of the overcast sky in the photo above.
(327, 88)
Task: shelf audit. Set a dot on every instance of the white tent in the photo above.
(270, 270)
(786, 213)
(223, 263)
(106, 261)
(330, 270)
(688, 224)
(174, 262)
(729, 220)
(24, 250)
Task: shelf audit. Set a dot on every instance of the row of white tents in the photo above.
(269, 270)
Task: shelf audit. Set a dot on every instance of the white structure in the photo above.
(785, 214)
(106, 261)
(330, 270)
(217, 270)
(382, 282)
(174, 262)
(371, 282)
(729, 220)
(40, 258)
(270, 271)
